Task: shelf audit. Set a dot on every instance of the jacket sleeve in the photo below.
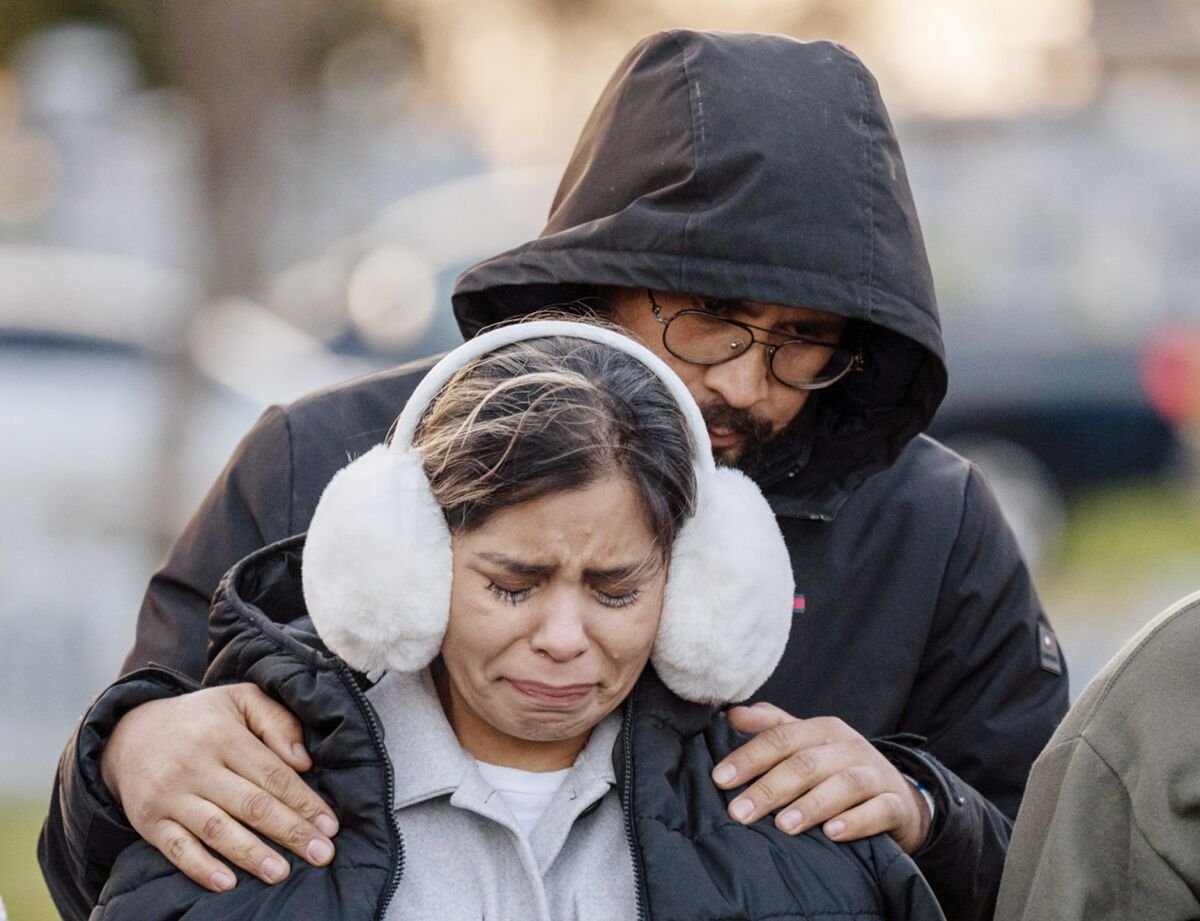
(1079, 852)
(86, 828)
(991, 691)
(248, 507)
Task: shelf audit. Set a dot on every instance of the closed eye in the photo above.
(510, 595)
(617, 601)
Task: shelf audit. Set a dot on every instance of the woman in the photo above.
(548, 518)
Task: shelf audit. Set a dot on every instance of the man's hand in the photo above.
(819, 772)
(202, 766)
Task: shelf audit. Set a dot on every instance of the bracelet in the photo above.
(925, 794)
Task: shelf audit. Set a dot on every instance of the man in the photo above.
(739, 202)
(1110, 828)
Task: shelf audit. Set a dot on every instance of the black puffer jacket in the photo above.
(692, 862)
(738, 166)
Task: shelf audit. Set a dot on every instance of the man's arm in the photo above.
(992, 689)
(248, 507)
(987, 699)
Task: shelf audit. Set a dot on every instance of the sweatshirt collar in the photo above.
(428, 761)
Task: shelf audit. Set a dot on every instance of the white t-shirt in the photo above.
(527, 793)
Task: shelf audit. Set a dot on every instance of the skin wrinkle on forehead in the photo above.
(637, 570)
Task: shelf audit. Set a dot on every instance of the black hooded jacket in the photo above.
(744, 167)
(691, 860)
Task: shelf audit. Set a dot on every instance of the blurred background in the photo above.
(209, 207)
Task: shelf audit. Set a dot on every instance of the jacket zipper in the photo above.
(639, 885)
(397, 868)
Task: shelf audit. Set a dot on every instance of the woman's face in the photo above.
(554, 608)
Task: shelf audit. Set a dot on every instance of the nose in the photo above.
(561, 633)
(742, 381)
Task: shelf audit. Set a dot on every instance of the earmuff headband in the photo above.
(378, 560)
(488, 342)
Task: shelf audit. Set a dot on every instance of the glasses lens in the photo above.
(806, 365)
(705, 339)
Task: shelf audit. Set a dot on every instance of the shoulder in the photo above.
(930, 487)
(321, 432)
(926, 469)
(1148, 696)
(689, 842)
(364, 404)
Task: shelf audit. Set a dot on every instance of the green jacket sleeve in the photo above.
(1110, 824)
(1080, 854)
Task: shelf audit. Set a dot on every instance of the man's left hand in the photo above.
(819, 772)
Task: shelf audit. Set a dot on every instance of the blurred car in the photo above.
(1047, 425)
(1064, 250)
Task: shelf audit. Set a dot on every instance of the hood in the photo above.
(754, 167)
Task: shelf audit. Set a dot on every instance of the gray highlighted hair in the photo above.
(553, 414)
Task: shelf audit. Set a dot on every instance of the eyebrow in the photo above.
(817, 327)
(615, 574)
(814, 326)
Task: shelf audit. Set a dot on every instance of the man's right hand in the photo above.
(207, 767)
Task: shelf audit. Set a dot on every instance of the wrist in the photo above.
(99, 741)
(109, 770)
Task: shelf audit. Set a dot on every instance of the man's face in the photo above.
(743, 404)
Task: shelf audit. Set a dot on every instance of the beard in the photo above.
(759, 438)
(756, 433)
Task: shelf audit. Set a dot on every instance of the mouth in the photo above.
(553, 695)
(722, 437)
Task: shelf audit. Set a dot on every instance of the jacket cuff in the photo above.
(97, 818)
(903, 751)
(963, 854)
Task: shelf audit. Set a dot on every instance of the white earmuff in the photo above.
(377, 560)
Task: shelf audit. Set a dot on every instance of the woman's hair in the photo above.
(547, 415)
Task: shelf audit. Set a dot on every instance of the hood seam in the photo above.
(868, 163)
(696, 117)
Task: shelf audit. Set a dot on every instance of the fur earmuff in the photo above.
(377, 564)
(728, 606)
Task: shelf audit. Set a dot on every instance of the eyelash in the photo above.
(618, 601)
(516, 596)
(509, 595)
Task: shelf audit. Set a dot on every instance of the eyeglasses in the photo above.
(703, 338)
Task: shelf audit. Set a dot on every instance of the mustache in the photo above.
(741, 421)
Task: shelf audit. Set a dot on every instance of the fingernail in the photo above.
(221, 881)
(791, 819)
(742, 808)
(299, 752)
(835, 828)
(320, 852)
(274, 869)
(725, 773)
(326, 824)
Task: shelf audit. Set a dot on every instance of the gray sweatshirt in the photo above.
(465, 855)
